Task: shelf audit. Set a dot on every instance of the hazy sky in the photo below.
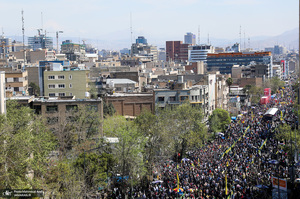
(158, 20)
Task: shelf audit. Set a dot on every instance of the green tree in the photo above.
(129, 149)
(185, 125)
(287, 135)
(229, 82)
(35, 88)
(79, 125)
(158, 140)
(108, 109)
(25, 147)
(95, 168)
(254, 93)
(64, 180)
(219, 119)
(274, 83)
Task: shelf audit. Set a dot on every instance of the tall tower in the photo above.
(190, 38)
(23, 32)
(198, 35)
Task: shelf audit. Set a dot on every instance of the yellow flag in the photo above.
(177, 182)
(226, 191)
(227, 164)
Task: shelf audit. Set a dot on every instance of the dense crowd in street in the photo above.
(247, 153)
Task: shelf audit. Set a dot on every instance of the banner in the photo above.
(282, 183)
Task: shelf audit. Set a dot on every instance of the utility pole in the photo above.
(23, 32)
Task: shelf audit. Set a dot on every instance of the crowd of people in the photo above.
(239, 163)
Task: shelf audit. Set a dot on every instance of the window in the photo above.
(71, 107)
(161, 99)
(183, 98)
(51, 94)
(61, 85)
(70, 85)
(51, 109)
(172, 99)
(51, 77)
(16, 89)
(61, 77)
(70, 77)
(61, 94)
(51, 86)
(71, 94)
(16, 79)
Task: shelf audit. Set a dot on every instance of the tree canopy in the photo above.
(219, 119)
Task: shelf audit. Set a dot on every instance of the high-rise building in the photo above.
(40, 41)
(173, 50)
(141, 40)
(279, 50)
(223, 62)
(73, 51)
(5, 46)
(161, 54)
(199, 52)
(190, 38)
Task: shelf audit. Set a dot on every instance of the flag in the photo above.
(226, 191)
(177, 182)
(227, 164)
(281, 116)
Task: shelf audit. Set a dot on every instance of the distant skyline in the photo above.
(108, 22)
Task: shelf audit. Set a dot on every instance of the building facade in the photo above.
(5, 46)
(40, 41)
(224, 62)
(131, 104)
(16, 82)
(190, 38)
(173, 50)
(199, 53)
(66, 83)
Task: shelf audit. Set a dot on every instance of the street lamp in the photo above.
(57, 32)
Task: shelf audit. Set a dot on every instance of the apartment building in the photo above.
(66, 83)
(16, 82)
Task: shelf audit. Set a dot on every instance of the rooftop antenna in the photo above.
(240, 35)
(42, 20)
(131, 28)
(244, 40)
(23, 32)
(198, 35)
(208, 39)
(249, 43)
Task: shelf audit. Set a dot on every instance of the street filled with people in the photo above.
(238, 163)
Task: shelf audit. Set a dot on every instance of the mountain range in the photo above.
(289, 39)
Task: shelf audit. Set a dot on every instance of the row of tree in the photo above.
(75, 159)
